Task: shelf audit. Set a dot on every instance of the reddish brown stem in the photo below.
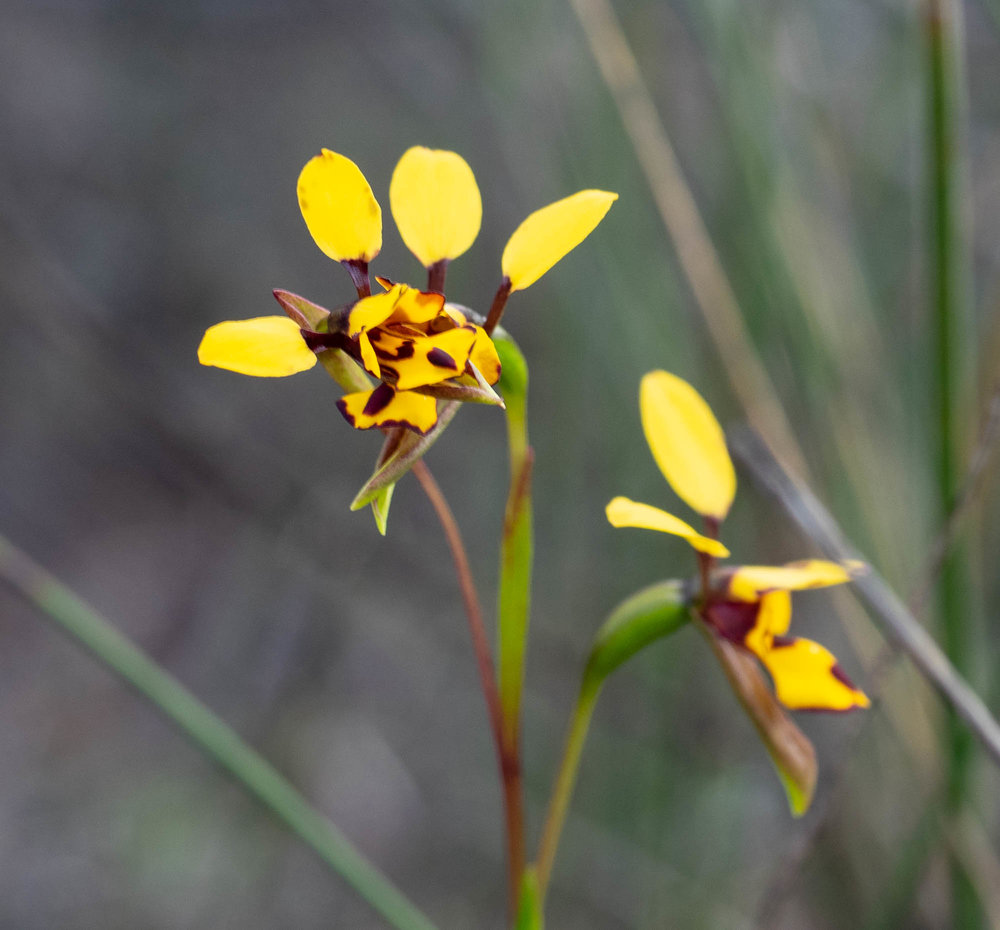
(507, 757)
(436, 275)
(496, 308)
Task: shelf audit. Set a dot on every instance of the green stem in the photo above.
(562, 791)
(950, 314)
(646, 616)
(512, 627)
(206, 731)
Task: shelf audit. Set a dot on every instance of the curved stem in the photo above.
(565, 782)
(507, 761)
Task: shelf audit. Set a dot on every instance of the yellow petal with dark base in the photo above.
(339, 208)
(624, 512)
(436, 204)
(550, 233)
(807, 677)
(265, 347)
(687, 443)
(749, 581)
(385, 407)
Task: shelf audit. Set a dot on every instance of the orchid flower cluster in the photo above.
(408, 357)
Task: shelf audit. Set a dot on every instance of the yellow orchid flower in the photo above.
(420, 348)
(416, 345)
(750, 605)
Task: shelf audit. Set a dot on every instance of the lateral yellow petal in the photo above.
(339, 208)
(368, 357)
(436, 204)
(624, 512)
(384, 407)
(265, 347)
(807, 677)
(748, 581)
(550, 233)
(687, 443)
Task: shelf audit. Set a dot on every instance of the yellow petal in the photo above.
(436, 204)
(368, 357)
(384, 407)
(749, 581)
(624, 512)
(807, 677)
(426, 359)
(339, 208)
(687, 443)
(265, 347)
(416, 306)
(373, 311)
(774, 616)
(484, 356)
(550, 233)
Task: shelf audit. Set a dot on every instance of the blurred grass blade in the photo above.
(207, 732)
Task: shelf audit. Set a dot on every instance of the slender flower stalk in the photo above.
(508, 763)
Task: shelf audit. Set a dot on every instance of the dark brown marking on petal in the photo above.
(342, 407)
(841, 676)
(406, 425)
(381, 398)
(441, 359)
(732, 620)
(404, 351)
(778, 642)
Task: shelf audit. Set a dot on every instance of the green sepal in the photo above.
(408, 449)
(643, 618)
(304, 312)
(513, 366)
(380, 507)
(529, 909)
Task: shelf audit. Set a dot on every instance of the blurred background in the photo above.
(148, 158)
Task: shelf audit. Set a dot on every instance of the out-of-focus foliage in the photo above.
(148, 157)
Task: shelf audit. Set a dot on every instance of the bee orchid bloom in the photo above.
(420, 348)
(417, 346)
(750, 605)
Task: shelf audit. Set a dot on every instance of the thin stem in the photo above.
(509, 774)
(436, 275)
(497, 307)
(358, 271)
(565, 781)
(208, 733)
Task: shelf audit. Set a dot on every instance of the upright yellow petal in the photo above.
(687, 443)
(265, 347)
(339, 208)
(550, 233)
(749, 581)
(624, 512)
(436, 204)
(807, 677)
